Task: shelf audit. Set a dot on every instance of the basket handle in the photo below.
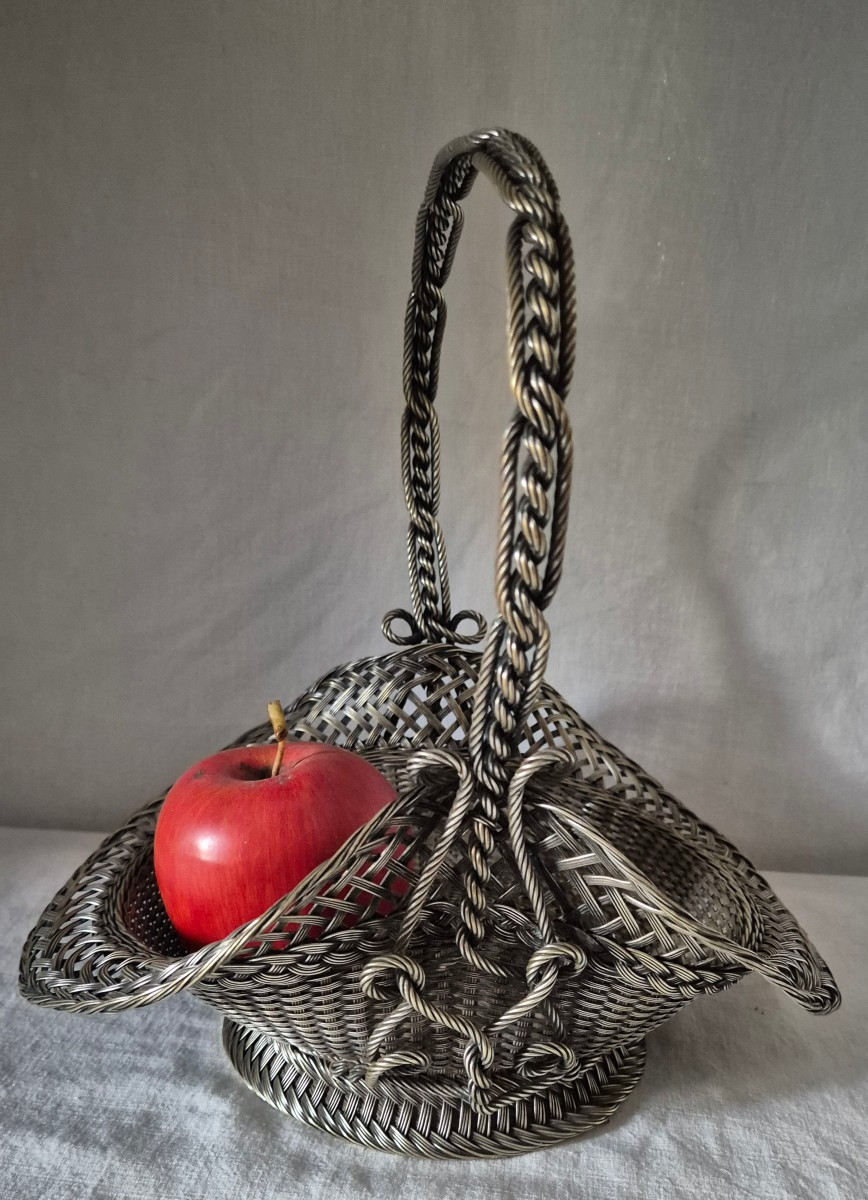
(534, 501)
(541, 344)
(535, 493)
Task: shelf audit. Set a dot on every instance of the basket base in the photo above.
(427, 1125)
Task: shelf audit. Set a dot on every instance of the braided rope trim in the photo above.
(433, 1123)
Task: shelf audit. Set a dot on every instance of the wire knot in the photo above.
(437, 629)
(408, 978)
(552, 960)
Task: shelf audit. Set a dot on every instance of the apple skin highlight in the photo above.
(231, 839)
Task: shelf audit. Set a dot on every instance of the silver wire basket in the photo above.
(474, 973)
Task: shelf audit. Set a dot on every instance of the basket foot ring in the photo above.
(422, 1120)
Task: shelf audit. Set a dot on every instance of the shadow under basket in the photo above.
(474, 972)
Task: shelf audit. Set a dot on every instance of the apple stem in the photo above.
(278, 724)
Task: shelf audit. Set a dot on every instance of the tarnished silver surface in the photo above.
(474, 972)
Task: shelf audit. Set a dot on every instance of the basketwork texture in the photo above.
(475, 970)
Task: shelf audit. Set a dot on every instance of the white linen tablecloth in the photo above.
(744, 1094)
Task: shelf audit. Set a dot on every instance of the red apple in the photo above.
(231, 839)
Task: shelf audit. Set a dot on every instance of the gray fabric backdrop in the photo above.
(207, 213)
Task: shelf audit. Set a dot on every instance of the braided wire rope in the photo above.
(535, 471)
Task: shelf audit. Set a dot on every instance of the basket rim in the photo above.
(813, 987)
(41, 969)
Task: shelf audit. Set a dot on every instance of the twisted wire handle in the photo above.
(535, 487)
(541, 336)
(535, 472)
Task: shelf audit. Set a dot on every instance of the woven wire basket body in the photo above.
(473, 974)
